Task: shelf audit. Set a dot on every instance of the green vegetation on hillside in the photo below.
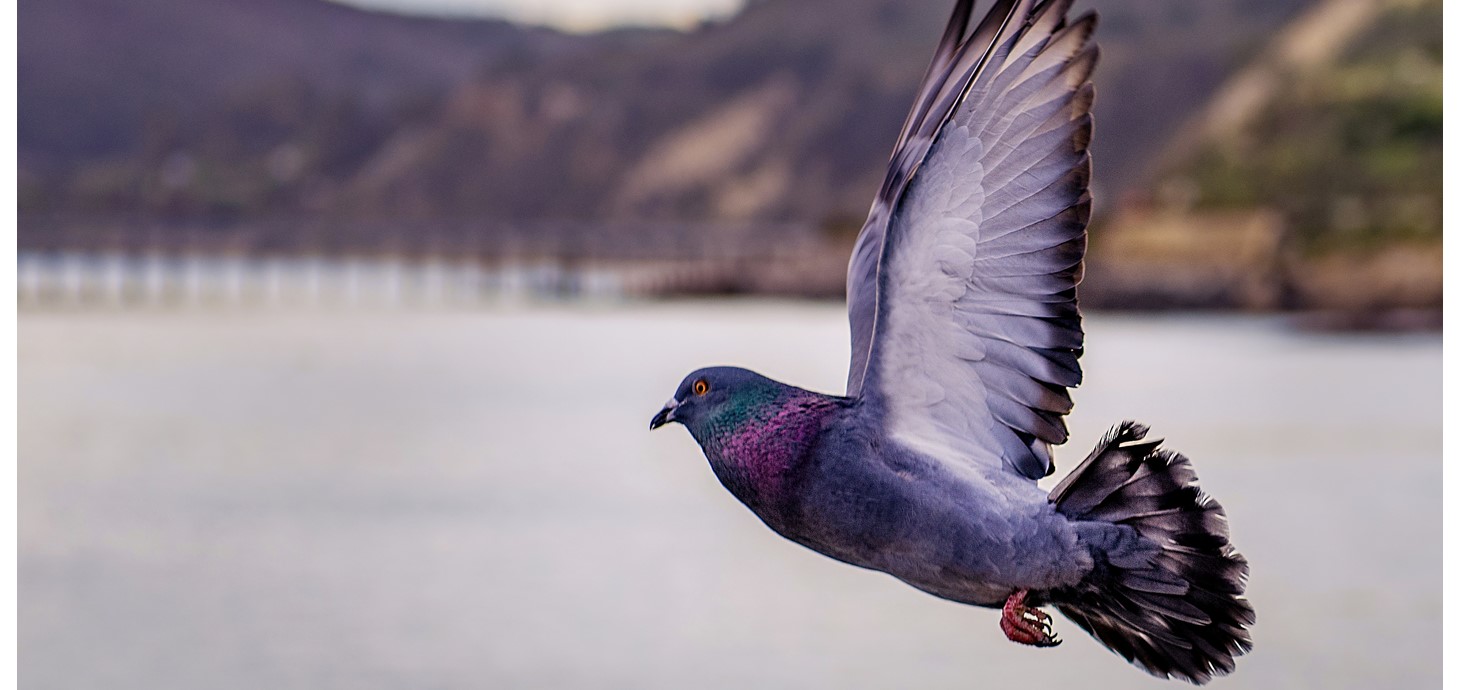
(1349, 153)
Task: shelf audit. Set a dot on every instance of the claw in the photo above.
(1026, 624)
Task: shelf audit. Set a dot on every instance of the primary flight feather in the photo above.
(965, 339)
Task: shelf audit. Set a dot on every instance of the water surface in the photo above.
(472, 500)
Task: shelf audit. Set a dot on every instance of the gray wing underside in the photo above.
(961, 288)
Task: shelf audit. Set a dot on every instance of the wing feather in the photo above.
(961, 289)
(930, 110)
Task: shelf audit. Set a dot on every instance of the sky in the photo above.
(572, 15)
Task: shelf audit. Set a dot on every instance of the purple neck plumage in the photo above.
(754, 446)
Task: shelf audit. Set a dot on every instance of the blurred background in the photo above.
(340, 325)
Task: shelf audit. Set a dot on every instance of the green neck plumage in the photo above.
(748, 406)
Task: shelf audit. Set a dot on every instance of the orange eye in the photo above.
(701, 387)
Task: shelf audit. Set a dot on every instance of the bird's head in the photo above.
(715, 394)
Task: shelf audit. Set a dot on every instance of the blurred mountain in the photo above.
(1344, 138)
(240, 109)
(1311, 179)
(94, 74)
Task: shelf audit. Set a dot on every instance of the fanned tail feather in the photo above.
(1170, 602)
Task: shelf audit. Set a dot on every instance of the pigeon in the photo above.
(966, 338)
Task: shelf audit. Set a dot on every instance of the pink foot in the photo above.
(1026, 624)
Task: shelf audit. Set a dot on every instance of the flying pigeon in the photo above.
(965, 340)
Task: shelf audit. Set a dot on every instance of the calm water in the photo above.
(472, 500)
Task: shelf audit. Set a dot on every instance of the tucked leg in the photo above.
(1026, 624)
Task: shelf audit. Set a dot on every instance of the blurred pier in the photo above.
(117, 265)
(1143, 258)
(156, 280)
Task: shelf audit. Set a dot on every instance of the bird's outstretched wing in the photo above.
(961, 289)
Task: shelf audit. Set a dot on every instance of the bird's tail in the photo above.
(1171, 599)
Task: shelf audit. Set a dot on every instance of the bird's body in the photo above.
(965, 339)
(815, 469)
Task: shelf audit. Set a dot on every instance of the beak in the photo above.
(665, 415)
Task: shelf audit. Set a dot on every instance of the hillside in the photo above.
(1349, 149)
(1311, 180)
(98, 77)
(231, 110)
